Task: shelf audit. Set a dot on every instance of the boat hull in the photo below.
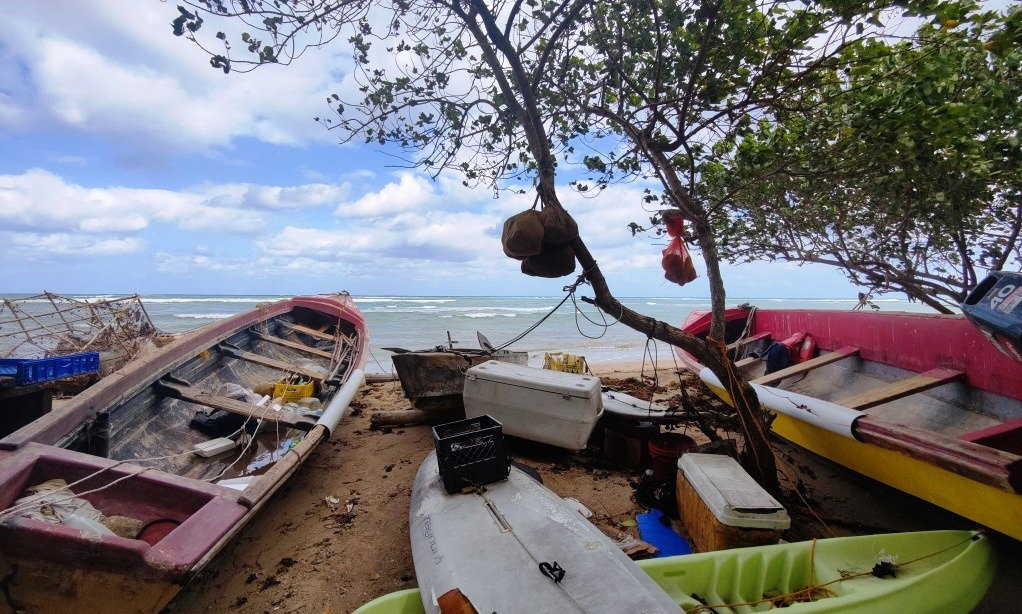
(941, 571)
(55, 567)
(888, 338)
(987, 505)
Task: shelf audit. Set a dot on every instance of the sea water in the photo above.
(421, 322)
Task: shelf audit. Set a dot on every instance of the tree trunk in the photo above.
(718, 298)
(711, 353)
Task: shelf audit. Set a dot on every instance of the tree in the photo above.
(667, 88)
(901, 167)
(482, 88)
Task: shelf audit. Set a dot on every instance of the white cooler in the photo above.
(552, 407)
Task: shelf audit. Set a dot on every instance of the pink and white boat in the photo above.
(126, 447)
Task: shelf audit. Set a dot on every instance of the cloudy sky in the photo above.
(127, 164)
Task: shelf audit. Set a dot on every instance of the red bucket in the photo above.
(664, 451)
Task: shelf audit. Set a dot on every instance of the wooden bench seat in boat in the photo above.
(805, 367)
(266, 361)
(747, 340)
(234, 406)
(901, 388)
(295, 345)
(312, 332)
(1006, 436)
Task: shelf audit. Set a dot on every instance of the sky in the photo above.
(128, 164)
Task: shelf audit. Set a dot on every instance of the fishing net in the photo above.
(49, 324)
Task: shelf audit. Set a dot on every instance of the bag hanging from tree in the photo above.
(552, 261)
(558, 227)
(523, 235)
(677, 263)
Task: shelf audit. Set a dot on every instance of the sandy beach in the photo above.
(303, 553)
(307, 552)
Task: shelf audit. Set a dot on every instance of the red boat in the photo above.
(126, 454)
(924, 403)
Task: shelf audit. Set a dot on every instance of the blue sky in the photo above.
(127, 164)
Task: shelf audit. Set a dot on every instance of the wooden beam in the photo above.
(301, 347)
(745, 362)
(805, 367)
(901, 388)
(976, 462)
(312, 332)
(748, 340)
(259, 359)
(201, 397)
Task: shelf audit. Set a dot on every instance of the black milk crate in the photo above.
(471, 452)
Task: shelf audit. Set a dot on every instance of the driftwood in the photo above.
(411, 417)
(380, 378)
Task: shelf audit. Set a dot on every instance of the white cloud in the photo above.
(268, 197)
(409, 192)
(35, 245)
(113, 68)
(41, 201)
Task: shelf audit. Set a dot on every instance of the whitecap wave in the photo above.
(205, 316)
(211, 299)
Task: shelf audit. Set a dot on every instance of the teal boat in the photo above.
(933, 571)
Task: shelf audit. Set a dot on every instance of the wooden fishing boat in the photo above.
(929, 571)
(924, 403)
(126, 446)
(434, 379)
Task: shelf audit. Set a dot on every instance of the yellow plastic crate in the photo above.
(292, 392)
(568, 363)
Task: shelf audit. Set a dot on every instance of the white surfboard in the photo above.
(633, 408)
(515, 546)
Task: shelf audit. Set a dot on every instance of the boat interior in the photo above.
(152, 426)
(890, 367)
(158, 421)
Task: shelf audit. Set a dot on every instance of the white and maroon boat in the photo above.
(924, 403)
(126, 448)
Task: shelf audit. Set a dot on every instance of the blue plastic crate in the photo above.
(36, 370)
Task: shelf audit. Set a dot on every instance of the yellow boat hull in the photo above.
(987, 505)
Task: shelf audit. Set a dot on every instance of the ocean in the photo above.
(420, 322)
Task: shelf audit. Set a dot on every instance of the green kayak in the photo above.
(933, 571)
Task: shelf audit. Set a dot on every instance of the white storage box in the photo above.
(552, 407)
(723, 507)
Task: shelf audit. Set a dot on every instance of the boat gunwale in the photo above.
(137, 375)
(213, 524)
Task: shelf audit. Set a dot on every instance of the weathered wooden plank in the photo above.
(234, 406)
(259, 359)
(748, 340)
(805, 367)
(901, 388)
(312, 332)
(747, 361)
(974, 461)
(295, 345)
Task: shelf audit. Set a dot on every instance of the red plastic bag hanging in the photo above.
(675, 224)
(677, 262)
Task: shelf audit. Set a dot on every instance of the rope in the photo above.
(569, 292)
(810, 592)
